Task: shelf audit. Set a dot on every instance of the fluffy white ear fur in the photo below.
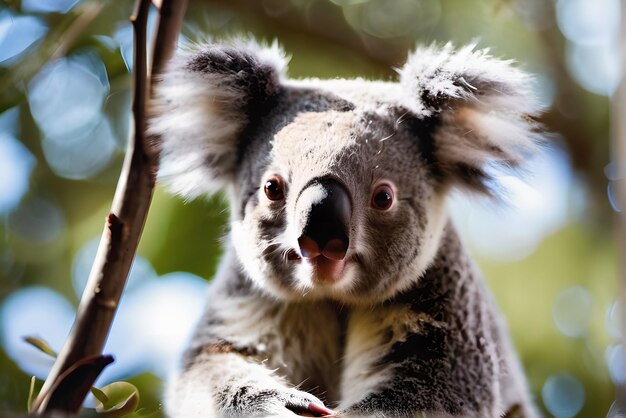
(485, 109)
(203, 102)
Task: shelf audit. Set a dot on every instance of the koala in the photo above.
(344, 289)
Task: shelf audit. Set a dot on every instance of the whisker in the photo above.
(400, 120)
(386, 138)
(271, 248)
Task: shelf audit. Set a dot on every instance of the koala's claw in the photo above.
(321, 410)
(305, 404)
(298, 403)
(312, 410)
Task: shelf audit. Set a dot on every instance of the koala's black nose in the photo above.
(324, 210)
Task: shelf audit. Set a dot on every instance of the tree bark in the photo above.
(122, 230)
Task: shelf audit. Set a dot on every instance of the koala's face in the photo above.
(338, 187)
(344, 207)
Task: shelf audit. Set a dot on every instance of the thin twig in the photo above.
(171, 16)
(123, 226)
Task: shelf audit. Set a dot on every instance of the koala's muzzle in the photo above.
(324, 208)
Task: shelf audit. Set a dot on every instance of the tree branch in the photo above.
(123, 225)
(171, 15)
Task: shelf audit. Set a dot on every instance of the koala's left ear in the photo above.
(202, 106)
(482, 107)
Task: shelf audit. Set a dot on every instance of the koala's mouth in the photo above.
(326, 270)
(327, 262)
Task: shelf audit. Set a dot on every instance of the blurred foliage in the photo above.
(60, 212)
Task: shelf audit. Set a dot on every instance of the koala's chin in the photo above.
(344, 285)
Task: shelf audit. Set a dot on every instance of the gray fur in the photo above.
(408, 326)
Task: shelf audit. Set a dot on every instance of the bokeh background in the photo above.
(548, 252)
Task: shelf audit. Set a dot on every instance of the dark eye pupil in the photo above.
(271, 186)
(382, 199)
(273, 189)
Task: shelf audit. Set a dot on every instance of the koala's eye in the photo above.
(274, 188)
(382, 198)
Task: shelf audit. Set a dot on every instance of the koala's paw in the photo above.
(288, 403)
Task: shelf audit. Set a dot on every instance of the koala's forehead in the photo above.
(317, 132)
(332, 137)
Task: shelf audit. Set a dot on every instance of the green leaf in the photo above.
(41, 345)
(122, 398)
(31, 394)
(100, 395)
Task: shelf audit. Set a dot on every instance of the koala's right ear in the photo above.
(484, 108)
(202, 104)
